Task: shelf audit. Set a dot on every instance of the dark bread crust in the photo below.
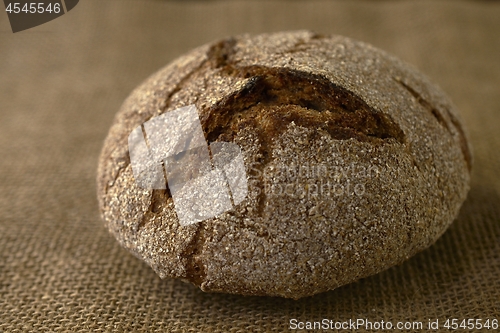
(289, 99)
(323, 105)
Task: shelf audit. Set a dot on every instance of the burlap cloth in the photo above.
(60, 86)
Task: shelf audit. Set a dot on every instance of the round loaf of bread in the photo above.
(353, 162)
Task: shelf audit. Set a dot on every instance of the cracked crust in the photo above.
(290, 101)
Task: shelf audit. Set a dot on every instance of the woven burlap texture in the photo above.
(60, 86)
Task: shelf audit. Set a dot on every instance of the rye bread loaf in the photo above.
(354, 161)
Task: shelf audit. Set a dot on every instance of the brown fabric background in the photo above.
(60, 86)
